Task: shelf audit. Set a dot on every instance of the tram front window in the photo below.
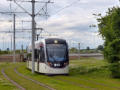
(56, 52)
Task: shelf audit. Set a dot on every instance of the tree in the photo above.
(73, 50)
(109, 28)
(88, 48)
(100, 47)
(7, 49)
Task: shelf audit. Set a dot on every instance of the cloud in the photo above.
(70, 23)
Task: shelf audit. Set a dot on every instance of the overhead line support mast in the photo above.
(33, 15)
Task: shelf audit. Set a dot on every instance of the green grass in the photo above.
(29, 85)
(51, 81)
(93, 71)
(4, 83)
(85, 74)
(87, 62)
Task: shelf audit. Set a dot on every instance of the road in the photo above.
(94, 55)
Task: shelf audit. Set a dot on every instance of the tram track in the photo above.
(72, 83)
(12, 81)
(76, 84)
(67, 81)
(101, 84)
(91, 81)
(35, 81)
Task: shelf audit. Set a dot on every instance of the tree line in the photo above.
(109, 29)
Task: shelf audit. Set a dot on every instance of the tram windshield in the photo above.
(56, 52)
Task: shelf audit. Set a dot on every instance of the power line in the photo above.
(65, 7)
(45, 6)
(33, 15)
(21, 7)
(14, 19)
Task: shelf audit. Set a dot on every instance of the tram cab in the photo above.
(51, 56)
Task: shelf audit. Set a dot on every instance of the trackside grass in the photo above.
(29, 85)
(50, 80)
(85, 74)
(4, 83)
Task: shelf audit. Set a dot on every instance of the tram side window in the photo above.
(42, 56)
(36, 54)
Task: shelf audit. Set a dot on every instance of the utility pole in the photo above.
(22, 49)
(14, 46)
(3, 43)
(11, 43)
(14, 32)
(33, 15)
(33, 35)
(79, 50)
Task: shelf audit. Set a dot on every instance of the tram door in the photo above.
(38, 59)
(41, 57)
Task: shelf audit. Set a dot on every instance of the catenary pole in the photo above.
(14, 46)
(79, 50)
(33, 15)
(11, 43)
(33, 35)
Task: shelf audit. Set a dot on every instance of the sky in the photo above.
(68, 19)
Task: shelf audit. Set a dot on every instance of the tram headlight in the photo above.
(57, 65)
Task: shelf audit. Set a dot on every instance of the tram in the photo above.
(51, 56)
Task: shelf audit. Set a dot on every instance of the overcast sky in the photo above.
(70, 23)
